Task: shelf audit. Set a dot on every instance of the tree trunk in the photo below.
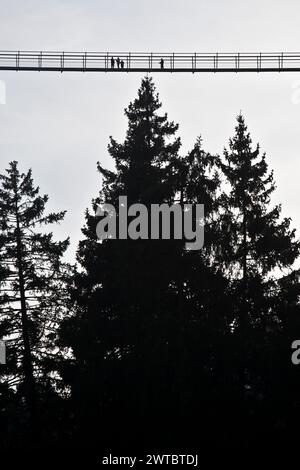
(27, 358)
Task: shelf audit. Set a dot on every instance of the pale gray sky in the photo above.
(59, 124)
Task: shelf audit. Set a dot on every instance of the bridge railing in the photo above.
(130, 61)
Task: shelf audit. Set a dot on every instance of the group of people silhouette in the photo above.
(118, 61)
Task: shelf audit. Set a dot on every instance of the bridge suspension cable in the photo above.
(118, 62)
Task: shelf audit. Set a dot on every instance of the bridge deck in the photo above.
(149, 62)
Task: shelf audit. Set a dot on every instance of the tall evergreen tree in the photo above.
(126, 292)
(32, 290)
(257, 241)
(257, 250)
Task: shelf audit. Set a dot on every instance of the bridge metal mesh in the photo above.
(144, 62)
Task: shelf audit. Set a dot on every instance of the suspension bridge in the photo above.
(125, 62)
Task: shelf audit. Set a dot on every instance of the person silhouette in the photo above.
(118, 62)
(162, 63)
(112, 62)
(122, 64)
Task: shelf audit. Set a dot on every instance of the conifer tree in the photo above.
(258, 249)
(257, 241)
(125, 290)
(32, 289)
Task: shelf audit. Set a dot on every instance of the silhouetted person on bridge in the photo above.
(118, 62)
(122, 64)
(112, 63)
(162, 62)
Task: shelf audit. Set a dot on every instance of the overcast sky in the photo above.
(59, 124)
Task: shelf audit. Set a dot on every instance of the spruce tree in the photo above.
(32, 289)
(258, 243)
(125, 290)
(258, 249)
